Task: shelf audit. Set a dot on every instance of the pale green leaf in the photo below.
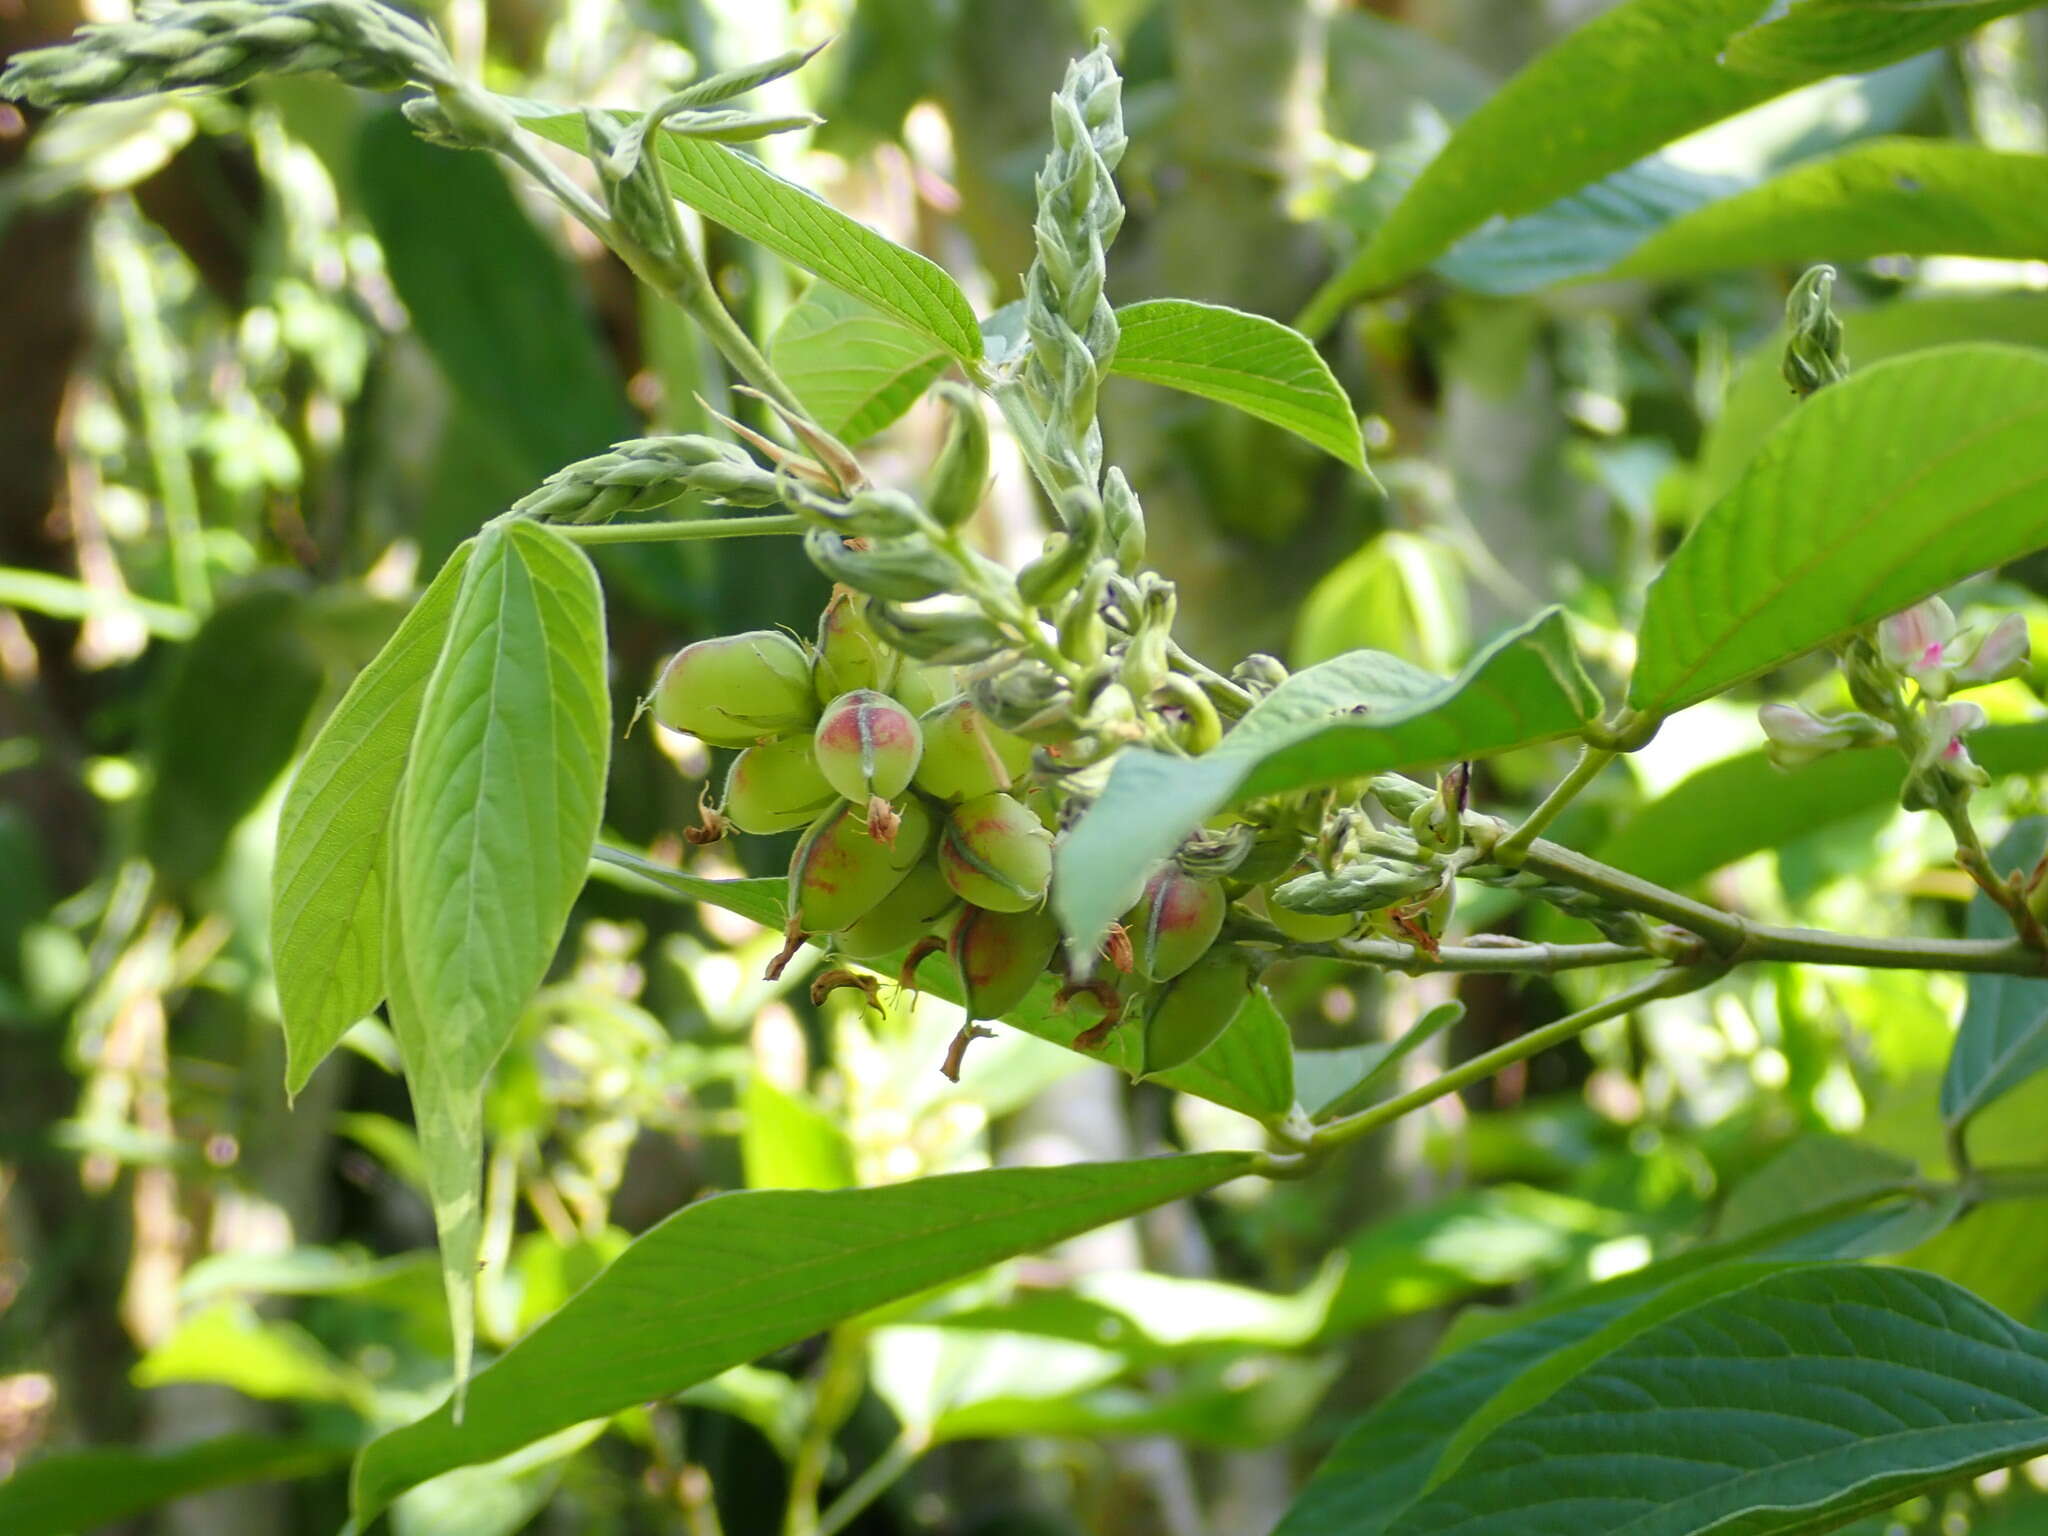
(230, 1345)
(93, 1490)
(787, 1142)
(1359, 714)
(855, 370)
(1789, 1404)
(736, 190)
(2003, 1039)
(1877, 492)
(1833, 37)
(729, 1279)
(327, 881)
(1912, 197)
(762, 901)
(1258, 365)
(492, 836)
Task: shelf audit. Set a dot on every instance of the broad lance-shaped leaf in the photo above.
(1878, 491)
(855, 369)
(1790, 1404)
(1911, 197)
(1636, 77)
(2003, 1039)
(762, 900)
(736, 190)
(731, 1278)
(1839, 37)
(1258, 365)
(327, 880)
(91, 1490)
(492, 836)
(1361, 713)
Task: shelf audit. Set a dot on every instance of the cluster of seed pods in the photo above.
(924, 831)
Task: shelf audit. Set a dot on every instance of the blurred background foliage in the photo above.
(267, 358)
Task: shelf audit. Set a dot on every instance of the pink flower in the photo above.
(1796, 736)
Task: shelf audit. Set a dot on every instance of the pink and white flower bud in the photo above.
(1947, 724)
(1915, 641)
(1797, 737)
(2003, 652)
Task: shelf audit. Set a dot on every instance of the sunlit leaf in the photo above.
(1359, 714)
(855, 370)
(1878, 491)
(1809, 37)
(729, 1279)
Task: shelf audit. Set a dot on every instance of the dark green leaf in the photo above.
(731, 1278)
(1359, 714)
(91, 1490)
(2003, 1039)
(1877, 492)
(238, 698)
(762, 901)
(1258, 365)
(492, 836)
(1789, 1404)
(855, 370)
(735, 190)
(494, 302)
(1913, 197)
(1807, 38)
(327, 881)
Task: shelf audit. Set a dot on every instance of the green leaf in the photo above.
(228, 725)
(1810, 1173)
(1354, 1074)
(729, 1279)
(1789, 1404)
(493, 301)
(492, 836)
(327, 880)
(1260, 366)
(763, 901)
(228, 1344)
(2003, 1039)
(1744, 805)
(1807, 38)
(787, 1142)
(1877, 492)
(1635, 77)
(739, 192)
(93, 1490)
(1359, 714)
(855, 370)
(1912, 197)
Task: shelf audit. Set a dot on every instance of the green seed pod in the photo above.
(1306, 927)
(965, 756)
(902, 917)
(1175, 923)
(841, 871)
(776, 787)
(867, 746)
(922, 689)
(999, 957)
(901, 570)
(736, 689)
(849, 655)
(1029, 699)
(1368, 886)
(1191, 1012)
(960, 474)
(996, 854)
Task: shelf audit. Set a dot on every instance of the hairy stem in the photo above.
(681, 530)
(1591, 760)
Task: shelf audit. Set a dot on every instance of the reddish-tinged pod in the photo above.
(867, 746)
(965, 756)
(995, 853)
(999, 957)
(776, 787)
(841, 871)
(900, 918)
(1176, 922)
(736, 689)
(1191, 1012)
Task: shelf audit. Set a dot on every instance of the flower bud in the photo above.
(1029, 699)
(900, 918)
(841, 871)
(1307, 927)
(1368, 886)
(999, 957)
(1797, 737)
(1259, 674)
(775, 786)
(996, 854)
(1056, 572)
(1123, 522)
(965, 756)
(1947, 724)
(953, 635)
(735, 689)
(1210, 853)
(867, 746)
(960, 473)
(1191, 1012)
(2003, 652)
(1914, 641)
(902, 570)
(1400, 795)
(849, 655)
(1175, 923)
